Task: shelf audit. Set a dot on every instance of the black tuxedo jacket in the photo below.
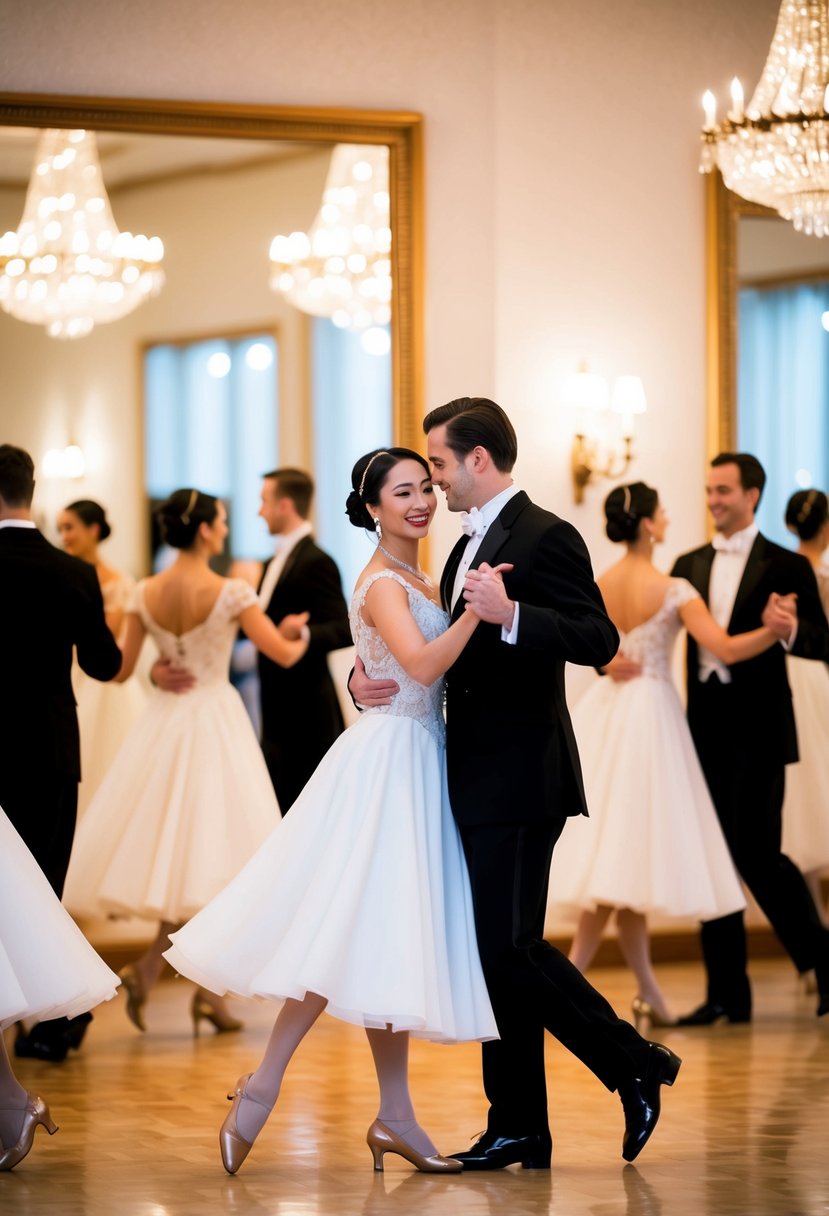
(763, 718)
(511, 751)
(49, 603)
(302, 700)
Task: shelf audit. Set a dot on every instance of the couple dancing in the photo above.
(376, 901)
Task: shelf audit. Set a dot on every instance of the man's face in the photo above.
(273, 508)
(731, 506)
(448, 473)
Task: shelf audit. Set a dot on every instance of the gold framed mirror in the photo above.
(400, 131)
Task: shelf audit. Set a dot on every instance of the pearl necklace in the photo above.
(424, 578)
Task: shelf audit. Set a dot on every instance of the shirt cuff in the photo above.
(792, 638)
(305, 634)
(510, 636)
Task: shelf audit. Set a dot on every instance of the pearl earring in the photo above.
(378, 528)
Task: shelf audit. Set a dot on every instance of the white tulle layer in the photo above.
(806, 807)
(47, 967)
(652, 841)
(185, 804)
(360, 894)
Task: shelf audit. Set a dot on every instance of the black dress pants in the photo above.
(533, 986)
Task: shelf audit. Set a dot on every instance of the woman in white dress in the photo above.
(359, 903)
(106, 712)
(806, 805)
(653, 842)
(188, 798)
(47, 970)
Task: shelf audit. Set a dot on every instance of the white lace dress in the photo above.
(652, 841)
(107, 712)
(361, 893)
(806, 806)
(47, 967)
(187, 799)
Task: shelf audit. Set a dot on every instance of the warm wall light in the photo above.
(603, 440)
(64, 463)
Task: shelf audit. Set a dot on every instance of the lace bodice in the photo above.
(652, 642)
(425, 705)
(205, 649)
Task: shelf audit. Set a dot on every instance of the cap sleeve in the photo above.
(240, 596)
(135, 598)
(683, 592)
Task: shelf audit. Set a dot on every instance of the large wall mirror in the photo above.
(768, 347)
(216, 182)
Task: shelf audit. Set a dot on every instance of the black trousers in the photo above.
(43, 807)
(533, 986)
(747, 787)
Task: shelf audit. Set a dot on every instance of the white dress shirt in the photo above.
(489, 513)
(727, 570)
(286, 543)
(17, 523)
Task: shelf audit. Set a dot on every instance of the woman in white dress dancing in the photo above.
(188, 798)
(806, 805)
(652, 842)
(47, 970)
(359, 901)
(106, 713)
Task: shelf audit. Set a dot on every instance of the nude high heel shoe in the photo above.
(644, 1012)
(233, 1146)
(201, 1010)
(35, 1112)
(136, 997)
(382, 1140)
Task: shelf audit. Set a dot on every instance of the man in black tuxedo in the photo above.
(743, 727)
(51, 602)
(301, 715)
(514, 778)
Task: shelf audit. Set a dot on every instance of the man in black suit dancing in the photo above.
(514, 777)
(743, 726)
(301, 715)
(51, 602)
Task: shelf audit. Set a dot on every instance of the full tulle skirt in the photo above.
(360, 894)
(652, 841)
(184, 805)
(106, 715)
(47, 967)
(806, 805)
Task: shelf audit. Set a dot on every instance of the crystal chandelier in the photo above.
(776, 151)
(67, 266)
(342, 268)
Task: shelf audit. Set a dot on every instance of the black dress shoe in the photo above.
(712, 1011)
(641, 1099)
(493, 1152)
(30, 1047)
(52, 1040)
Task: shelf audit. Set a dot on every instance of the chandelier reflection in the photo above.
(776, 150)
(67, 266)
(341, 268)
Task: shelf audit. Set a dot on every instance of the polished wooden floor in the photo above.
(744, 1130)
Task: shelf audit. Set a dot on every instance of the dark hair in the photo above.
(90, 513)
(752, 473)
(473, 422)
(17, 476)
(368, 478)
(626, 507)
(295, 484)
(806, 513)
(181, 515)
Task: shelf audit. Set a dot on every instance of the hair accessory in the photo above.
(806, 510)
(626, 504)
(185, 515)
(366, 469)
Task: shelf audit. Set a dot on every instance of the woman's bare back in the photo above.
(633, 592)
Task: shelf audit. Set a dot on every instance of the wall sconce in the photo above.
(603, 441)
(64, 463)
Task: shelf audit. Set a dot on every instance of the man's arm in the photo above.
(328, 622)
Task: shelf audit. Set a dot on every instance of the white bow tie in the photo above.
(472, 522)
(740, 542)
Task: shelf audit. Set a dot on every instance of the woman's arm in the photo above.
(131, 641)
(267, 638)
(731, 649)
(388, 604)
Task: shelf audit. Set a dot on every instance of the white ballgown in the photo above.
(806, 805)
(107, 712)
(47, 967)
(652, 841)
(188, 798)
(361, 893)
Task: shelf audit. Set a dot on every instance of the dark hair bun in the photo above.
(90, 512)
(356, 511)
(806, 513)
(625, 508)
(182, 514)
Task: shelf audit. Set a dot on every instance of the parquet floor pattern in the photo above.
(743, 1131)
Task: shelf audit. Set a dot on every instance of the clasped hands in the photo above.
(780, 615)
